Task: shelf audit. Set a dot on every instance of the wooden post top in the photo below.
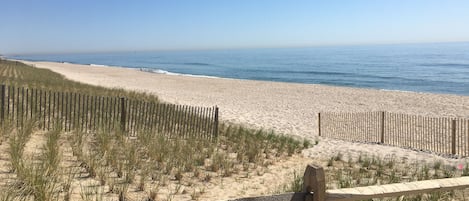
(314, 181)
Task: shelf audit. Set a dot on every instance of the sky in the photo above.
(48, 26)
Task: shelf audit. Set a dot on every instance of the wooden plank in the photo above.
(17, 107)
(467, 142)
(280, 197)
(177, 120)
(40, 108)
(319, 124)
(27, 104)
(22, 106)
(3, 103)
(122, 107)
(8, 100)
(13, 104)
(152, 116)
(216, 122)
(453, 137)
(382, 127)
(85, 112)
(48, 117)
(394, 190)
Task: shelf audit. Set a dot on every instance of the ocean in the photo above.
(429, 68)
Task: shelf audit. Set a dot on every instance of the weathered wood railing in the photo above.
(314, 189)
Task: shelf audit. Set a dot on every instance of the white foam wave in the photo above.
(403, 91)
(98, 65)
(159, 71)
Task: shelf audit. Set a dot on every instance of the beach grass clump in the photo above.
(17, 142)
(37, 174)
(125, 162)
(366, 170)
(152, 162)
(372, 170)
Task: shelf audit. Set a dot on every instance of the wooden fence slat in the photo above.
(216, 122)
(154, 109)
(48, 116)
(319, 124)
(453, 137)
(13, 105)
(26, 111)
(382, 127)
(17, 107)
(122, 113)
(179, 120)
(8, 101)
(2, 114)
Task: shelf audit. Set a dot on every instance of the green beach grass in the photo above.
(117, 166)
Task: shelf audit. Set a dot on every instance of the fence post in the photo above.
(453, 137)
(123, 114)
(319, 124)
(382, 127)
(314, 180)
(216, 123)
(3, 103)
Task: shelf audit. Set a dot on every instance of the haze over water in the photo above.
(433, 68)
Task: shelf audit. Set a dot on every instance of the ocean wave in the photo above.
(402, 91)
(98, 65)
(160, 71)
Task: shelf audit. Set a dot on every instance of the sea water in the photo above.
(433, 68)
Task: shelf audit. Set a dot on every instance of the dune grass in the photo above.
(22, 75)
(343, 171)
(118, 166)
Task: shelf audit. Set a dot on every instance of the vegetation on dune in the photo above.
(22, 75)
(341, 172)
(118, 166)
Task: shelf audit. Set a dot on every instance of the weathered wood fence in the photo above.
(314, 189)
(442, 135)
(69, 111)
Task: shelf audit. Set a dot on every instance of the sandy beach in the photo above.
(286, 108)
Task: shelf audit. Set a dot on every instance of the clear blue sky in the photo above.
(46, 26)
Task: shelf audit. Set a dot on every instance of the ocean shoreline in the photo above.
(289, 108)
(427, 68)
(164, 72)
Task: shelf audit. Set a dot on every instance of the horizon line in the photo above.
(221, 48)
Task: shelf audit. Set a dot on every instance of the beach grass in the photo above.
(22, 75)
(343, 171)
(147, 166)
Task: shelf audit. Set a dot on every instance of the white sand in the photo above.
(285, 107)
